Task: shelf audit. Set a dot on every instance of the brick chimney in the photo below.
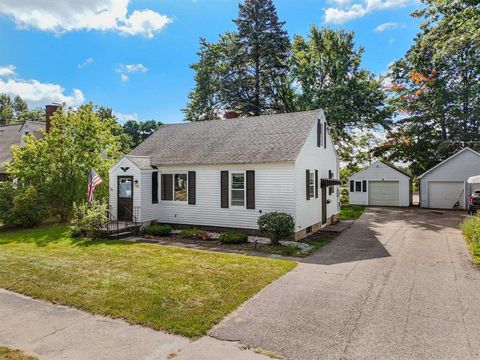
(230, 114)
(49, 110)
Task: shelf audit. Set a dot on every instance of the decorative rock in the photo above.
(259, 240)
(304, 248)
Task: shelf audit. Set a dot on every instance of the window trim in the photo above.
(186, 187)
(230, 188)
(311, 185)
(358, 186)
(173, 173)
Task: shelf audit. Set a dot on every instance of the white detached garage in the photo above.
(445, 185)
(380, 185)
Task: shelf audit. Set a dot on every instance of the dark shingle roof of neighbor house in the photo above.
(9, 135)
(38, 127)
(259, 139)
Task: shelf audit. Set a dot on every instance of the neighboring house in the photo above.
(13, 135)
(9, 135)
(227, 173)
(380, 185)
(445, 184)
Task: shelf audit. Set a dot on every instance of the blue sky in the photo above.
(134, 56)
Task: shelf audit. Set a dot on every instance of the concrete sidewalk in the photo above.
(50, 331)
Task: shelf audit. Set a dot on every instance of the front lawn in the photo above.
(9, 354)
(351, 212)
(177, 290)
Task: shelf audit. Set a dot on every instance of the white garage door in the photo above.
(384, 193)
(444, 194)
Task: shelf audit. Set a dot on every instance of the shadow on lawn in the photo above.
(47, 235)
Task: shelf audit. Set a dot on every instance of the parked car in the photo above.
(474, 202)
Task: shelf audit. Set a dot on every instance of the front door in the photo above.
(324, 205)
(125, 198)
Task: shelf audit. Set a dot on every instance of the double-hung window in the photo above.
(311, 185)
(180, 188)
(358, 186)
(238, 189)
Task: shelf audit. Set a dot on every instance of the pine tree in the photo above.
(261, 59)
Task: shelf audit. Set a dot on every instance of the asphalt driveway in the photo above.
(398, 284)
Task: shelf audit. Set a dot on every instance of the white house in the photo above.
(227, 173)
(445, 184)
(380, 185)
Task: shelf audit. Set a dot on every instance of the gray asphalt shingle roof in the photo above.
(9, 135)
(259, 139)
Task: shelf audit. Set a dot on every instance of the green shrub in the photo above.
(158, 229)
(91, 218)
(191, 233)
(22, 207)
(471, 229)
(290, 249)
(233, 237)
(344, 193)
(276, 225)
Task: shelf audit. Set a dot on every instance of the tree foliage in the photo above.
(327, 68)
(15, 110)
(58, 164)
(137, 131)
(246, 70)
(435, 88)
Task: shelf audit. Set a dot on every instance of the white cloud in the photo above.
(388, 26)
(130, 69)
(87, 61)
(342, 14)
(133, 68)
(8, 70)
(73, 15)
(35, 92)
(122, 118)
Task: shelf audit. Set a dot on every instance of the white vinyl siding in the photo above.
(384, 193)
(397, 183)
(456, 170)
(309, 212)
(444, 194)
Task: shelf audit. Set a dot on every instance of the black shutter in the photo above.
(224, 189)
(352, 186)
(155, 187)
(167, 186)
(192, 187)
(307, 183)
(250, 189)
(319, 133)
(325, 135)
(364, 183)
(316, 183)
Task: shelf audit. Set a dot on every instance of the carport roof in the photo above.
(448, 159)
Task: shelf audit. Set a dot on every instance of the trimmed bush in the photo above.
(158, 229)
(233, 237)
(191, 233)
(290, 249)
(276, 225)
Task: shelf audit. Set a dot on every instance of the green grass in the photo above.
(471, 231)
(177, 290)
(351, 212)
(9, 354)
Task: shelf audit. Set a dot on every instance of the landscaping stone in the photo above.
(304, 248)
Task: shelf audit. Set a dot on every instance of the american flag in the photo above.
(93, 181)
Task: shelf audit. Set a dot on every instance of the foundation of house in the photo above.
(312, 229)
